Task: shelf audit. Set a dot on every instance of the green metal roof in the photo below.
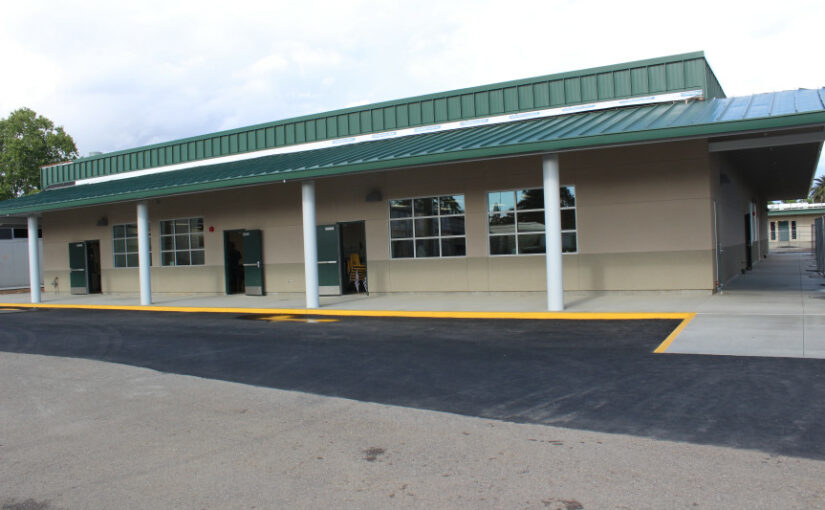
(675, 73)
(810, 211)
(660, 122)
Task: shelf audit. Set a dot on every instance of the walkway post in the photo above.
(34, 260)
(310, 243)
(144, 256)
(552, 233)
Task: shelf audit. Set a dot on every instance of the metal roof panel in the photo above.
(635, 124)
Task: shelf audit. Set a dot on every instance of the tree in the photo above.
(818, 190)
(27, 142)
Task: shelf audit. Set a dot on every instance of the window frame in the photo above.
(174, 235)
(437, 216)
(515, 222)
(126, 253)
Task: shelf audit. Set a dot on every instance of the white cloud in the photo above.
(120, 75)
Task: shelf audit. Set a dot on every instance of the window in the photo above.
(125, 245)
(181, 242)
(5, 233)
(773, 231)
(793, 230)
(516, 221)
(17, 233)
(427, 227)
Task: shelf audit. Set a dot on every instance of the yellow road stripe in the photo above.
(672, 336)
(378, 313)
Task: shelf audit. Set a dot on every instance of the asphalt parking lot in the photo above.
(590, 375)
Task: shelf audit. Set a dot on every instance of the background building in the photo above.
(792, 226)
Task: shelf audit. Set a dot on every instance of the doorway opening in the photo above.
(84, 267)
(233, 261)
(243, 262)
(354, 254)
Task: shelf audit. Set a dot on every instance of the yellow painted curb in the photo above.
(672, 336)
(373, 313)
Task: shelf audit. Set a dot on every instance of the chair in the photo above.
(357, 272)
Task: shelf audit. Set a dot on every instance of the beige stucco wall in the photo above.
(643, 218)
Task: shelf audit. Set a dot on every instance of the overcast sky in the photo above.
(124, 75)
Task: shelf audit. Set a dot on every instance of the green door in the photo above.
(253, 263)
(329, 273)
(784, 234)
(78, 272)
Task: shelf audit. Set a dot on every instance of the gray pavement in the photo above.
(777, 309)
(81, 434)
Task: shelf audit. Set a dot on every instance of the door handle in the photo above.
(256, 264)
(78, 270)
(327, 261)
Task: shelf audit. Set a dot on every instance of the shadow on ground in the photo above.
(593, 375)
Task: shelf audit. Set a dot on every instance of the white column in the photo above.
(310, 243)
(34, 260)
(144, 256)
(552, 233)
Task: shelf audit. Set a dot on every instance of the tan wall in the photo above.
(643, 217)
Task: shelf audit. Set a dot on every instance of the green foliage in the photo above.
(27, 142)
(818, 190)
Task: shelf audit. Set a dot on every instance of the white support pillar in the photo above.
(34, 260)
(310, 243)
(552, 233)
(144, 256)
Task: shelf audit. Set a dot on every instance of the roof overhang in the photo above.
(774, 137)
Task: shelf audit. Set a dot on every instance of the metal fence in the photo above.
(819, 239)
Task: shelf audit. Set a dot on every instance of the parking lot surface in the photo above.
(590, 375)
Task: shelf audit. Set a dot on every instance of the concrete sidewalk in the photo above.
(777, 309)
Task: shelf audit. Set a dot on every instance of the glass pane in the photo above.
(501, 201)
(568, 242)
(502, 245)
(427, 227)
(401, 228)
(5, 233)
(502, 223)
(568, 219)
(425, 206)
(196, 240)
(531, 243)
(120, 260)
(21, 233)
(426, 248)
(531, 199)
(452, 226)
(131, 245)
(402, 249)
(181, 226)
(196, 225)
(119, 246)
(400, 208)
(131, 230)
(167, 243)
(167, 258)
(451, 204)
(132, 260)
(197, 258)
(568, 196)
(531, 221)
(453, 247)
(182, 258)
(182, 242)
(166, 227)
(117, 231)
